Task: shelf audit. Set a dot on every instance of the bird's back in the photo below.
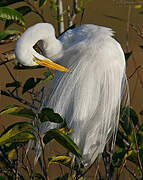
(89, 96)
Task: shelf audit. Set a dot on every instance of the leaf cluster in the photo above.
(130, 142)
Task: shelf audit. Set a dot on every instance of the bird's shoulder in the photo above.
(87, 33)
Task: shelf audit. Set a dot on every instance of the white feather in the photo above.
(89, 96)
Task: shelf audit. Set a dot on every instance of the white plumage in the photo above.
(89, 96)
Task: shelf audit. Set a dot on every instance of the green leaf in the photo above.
(48, 76)
(48, 114)
(38, 176)
(7, 148)
(18, 111)
(42, 3)
(119, 141)
(141, 47)
(17, 132)
(11, 14)
(134, 116)
(139, 136)
(64, 160)
(124, 122)
(64, 140)
(141, 113)
(2, 178)
(133, 157)
(118, 157)
(30, 84)
(8, 2)
(4, 34)
(53, 5)
(66, 176)
(4, 93)
(127, 55)
(23, 10)
(141, 154)
(13, 84)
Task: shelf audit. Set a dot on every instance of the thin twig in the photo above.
(128, 3)
(128, 25)
(137, 68)
(10, 73)
(107, 160)
(19, 99)
(11, 39)
(36, 11)
(71, 15)
(4, 62)
(7, 57)
(70, 23)
(43, 154)
(139, 33)
(137, 146)
(23, 164)
(26, 155)
(17, 163)
(8, 70)
(131, 172)
(138, 73)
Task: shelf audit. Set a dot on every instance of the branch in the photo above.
(128, 25)
(131, 172)
(129, 3)
(137, 68)
(9, 94)
(60, 16)
(71, 16)
(7, 57)
(138, 31)
(138, 152)
(11, 39)
(36, 11)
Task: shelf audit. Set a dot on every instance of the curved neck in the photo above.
(52, 47)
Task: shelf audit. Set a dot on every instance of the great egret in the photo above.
(89, 96)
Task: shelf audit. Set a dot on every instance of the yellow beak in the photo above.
(48, 63)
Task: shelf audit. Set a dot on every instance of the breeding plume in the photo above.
(90, 94)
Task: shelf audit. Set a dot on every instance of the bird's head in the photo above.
(25, 53)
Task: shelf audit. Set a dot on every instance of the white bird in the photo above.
(89, 96)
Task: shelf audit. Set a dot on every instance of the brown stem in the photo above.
(4, 62)
(11, 39)
(137, 68)
(43, 153)
(26, 155)
(36, 11)
(138, 31)
(138, 154)
(128, 25)
(9, 94)
(26, 168)
(8, 70)
(131, 172)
